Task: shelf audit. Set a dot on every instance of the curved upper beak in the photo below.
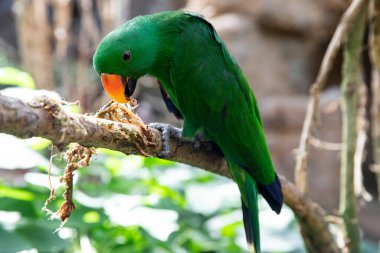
(119, 88)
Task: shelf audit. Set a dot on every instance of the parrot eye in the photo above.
(127, 55)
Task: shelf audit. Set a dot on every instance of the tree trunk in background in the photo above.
(63, 10)
(34, 41)
(89, 37)
(62, 20)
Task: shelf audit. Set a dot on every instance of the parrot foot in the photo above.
(167, 131)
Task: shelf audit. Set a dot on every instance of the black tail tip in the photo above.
(272, 193)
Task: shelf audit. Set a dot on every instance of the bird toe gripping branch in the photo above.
(167, 131)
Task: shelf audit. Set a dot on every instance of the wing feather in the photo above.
(213, 94)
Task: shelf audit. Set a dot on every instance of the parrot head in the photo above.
(124, 55)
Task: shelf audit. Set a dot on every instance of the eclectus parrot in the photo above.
(202, 83)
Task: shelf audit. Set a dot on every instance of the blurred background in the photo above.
(134, 204)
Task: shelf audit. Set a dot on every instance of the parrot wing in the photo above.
(214, 96)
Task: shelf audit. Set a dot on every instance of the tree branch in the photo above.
(375, 85)
(315, 90)
(352, 79)
(46, 118)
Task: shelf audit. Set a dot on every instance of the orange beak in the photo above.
(119, 88)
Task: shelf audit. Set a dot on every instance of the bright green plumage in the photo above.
(205, 83)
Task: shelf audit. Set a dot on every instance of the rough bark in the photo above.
(46, 118)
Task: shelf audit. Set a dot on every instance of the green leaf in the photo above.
(13, 76)
(230, 230)
(11, 242)
(26, 208)
(15, 193)
(42, 237)
(152, 162)
(91, 217)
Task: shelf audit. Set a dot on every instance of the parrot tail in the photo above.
(272, 193)
(251, 214)
(249, 198)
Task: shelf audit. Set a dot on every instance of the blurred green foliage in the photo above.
(132, 204)
(13, 76)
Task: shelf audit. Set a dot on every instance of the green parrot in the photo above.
(202, 83)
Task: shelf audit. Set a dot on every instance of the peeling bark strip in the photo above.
(77, 157)
(47, 118)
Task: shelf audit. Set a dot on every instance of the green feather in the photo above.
(208, 87)
(249, 197)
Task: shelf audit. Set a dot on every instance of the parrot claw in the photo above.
(167, 131)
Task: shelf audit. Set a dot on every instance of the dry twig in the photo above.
(360, 150)
(312, 108)
(52, 190)
(324, 144)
